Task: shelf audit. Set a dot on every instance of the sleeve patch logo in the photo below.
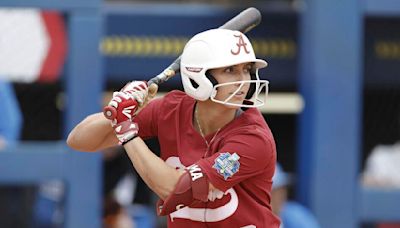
(227, 164)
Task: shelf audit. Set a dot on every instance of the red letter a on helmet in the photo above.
(239, 45)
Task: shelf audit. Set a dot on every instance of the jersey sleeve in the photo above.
(147, 119)
(241, 157)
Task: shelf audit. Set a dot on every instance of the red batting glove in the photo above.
(125, 106)
(126, 102)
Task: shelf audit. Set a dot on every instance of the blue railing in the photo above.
(36, 163)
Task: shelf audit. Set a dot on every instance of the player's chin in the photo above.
(229, 106)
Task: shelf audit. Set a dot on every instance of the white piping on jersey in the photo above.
(175, 162)
(209, 214)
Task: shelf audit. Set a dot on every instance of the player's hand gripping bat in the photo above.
(244, 22)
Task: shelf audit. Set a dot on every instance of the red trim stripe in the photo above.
(54, 61)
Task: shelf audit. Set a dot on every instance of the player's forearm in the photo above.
(159, 176)
(92, 134)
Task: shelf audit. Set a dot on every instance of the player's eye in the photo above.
(248, 68)
(229, 69)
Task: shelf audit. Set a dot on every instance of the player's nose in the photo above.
(242, 76)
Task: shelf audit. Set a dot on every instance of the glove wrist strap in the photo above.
(129, 140)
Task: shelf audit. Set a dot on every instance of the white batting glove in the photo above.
(138, 90)
(126, 131)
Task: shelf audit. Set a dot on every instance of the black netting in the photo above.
(40, 105)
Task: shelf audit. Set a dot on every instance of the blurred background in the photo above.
(333, 106)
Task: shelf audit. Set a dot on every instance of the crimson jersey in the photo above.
(240, 162)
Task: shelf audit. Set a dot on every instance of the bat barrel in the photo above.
(244, 21)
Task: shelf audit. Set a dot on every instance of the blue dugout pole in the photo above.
(329, 128)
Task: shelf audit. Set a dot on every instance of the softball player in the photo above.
(217, 152)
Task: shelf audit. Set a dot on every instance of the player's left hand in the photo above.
(125, 107)
(126, 131)
(124, 127)
(128, 101)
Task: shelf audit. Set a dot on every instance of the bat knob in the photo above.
(109, 112)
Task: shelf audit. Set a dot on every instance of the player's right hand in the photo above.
(125, 103)
(125, 107)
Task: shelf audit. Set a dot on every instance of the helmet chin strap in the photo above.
(253, 86)
(214, 83)
(211, 78)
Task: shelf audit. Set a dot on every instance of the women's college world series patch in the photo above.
(227, 164)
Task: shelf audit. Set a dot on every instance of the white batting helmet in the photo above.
(213, 49)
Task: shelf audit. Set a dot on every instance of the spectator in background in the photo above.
(292, 214)
(12, 197)
(10, 118)
(382, 171)
(382, 168)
